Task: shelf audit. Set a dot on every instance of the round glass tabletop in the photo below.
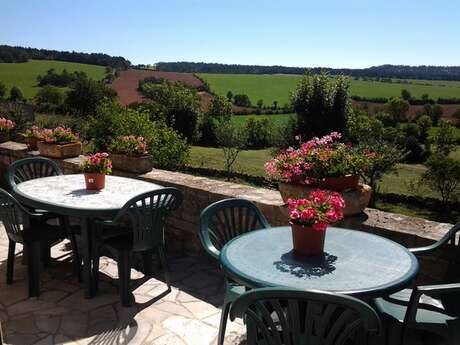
(69, 192)
(354, 262)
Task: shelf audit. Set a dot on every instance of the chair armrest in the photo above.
(208, 245)
(431, 248)
(435, 290)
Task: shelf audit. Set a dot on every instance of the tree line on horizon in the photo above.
(383, 71)
(10, 54)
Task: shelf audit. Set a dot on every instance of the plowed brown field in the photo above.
(127, 82)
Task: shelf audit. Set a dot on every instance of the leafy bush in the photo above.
(322, 105)
(168, 148)
(16, 94)
(443, 177)
(242, 100)
(49, 99)
(258, 133)
(178, 104)
(232, 140)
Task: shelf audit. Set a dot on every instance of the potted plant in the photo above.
(32, 136)
(325, 163)
(94, 168)
(5, 128)
(59, 142)
(309, 219)
(130, 153)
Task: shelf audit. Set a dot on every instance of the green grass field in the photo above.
(275, 118)
(24, 75)
(278, 87)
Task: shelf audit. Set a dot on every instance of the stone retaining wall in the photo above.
(201, 191)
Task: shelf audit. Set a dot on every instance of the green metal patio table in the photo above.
(354, 263)
(67, 195)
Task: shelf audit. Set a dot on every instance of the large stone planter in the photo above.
(134, 164)
(355, 200)
(59, 151)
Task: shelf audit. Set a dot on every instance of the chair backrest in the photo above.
(30, 168)
(226, 219)
(13, 216)
(292, 317)
(147, 213)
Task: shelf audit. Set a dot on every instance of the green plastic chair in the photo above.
(426, 312)
(139, 226)
(281, 316)
(25, 227)
(36, 167)
(219, 223)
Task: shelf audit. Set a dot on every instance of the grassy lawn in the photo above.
(24, 75)
(278, 87)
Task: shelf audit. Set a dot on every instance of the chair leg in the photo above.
(164, 264)
(46, 253)
(223, 323)
(33, 268)
(76, 259)
(10, 262)
(124, 277)
(147, 262)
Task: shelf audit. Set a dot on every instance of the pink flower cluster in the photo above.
(59, 135)
(319, 210)
(130, 145)
(6, 125)
(316, 159)
(33, 132)
(97, 163)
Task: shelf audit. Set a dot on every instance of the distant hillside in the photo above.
(24, 75)
(384, 71)
(10, 54)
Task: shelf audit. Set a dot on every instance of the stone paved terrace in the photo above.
(189, 315)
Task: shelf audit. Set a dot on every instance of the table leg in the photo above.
(86, 257)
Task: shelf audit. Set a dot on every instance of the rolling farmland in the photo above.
(277, 87)
(24, 75)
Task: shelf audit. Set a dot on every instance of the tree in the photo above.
(229, 96)
(242, 100)
(444, 140)
(369, 134)
(2, 91)
(16, 94)
(405, 95)
(275, 105)
(424, 124)
(443, 177)
(321, 104)
(180, 106)
(219, 109)
(231, 140)
(260, 103)
(398, 109)
(86, 94)
(436, 114)
(49, 99)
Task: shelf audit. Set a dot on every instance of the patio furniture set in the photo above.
(356, 292)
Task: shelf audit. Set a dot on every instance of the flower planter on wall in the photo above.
(355, 200)
(32, 143)
(4, 136)
(340, 184)
(59, 151)
(134, 164)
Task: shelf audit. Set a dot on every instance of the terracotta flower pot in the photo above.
(94, 181)
(339, 184)
(4, 136)
(307, 241)
(58, 150)
(32, 143)
(134, 164)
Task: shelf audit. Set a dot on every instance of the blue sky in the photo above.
(340, 33)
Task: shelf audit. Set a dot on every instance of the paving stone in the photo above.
(169, 339)
(45, 341)
(191, 331)
(21, 339)
(48, 324)
(201, 309)
(23, 325)
(28, 306)
(74, 324)
(174, 308)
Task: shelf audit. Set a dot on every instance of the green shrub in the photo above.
(49, 99)
(168, 148)
(258, 133)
